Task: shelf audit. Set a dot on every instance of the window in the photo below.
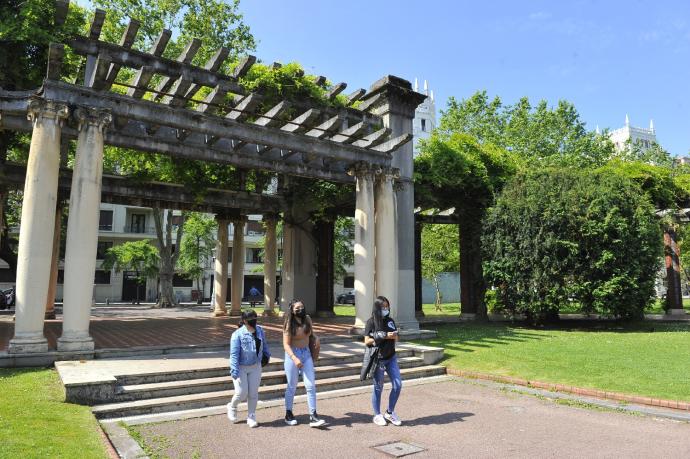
(180, 281)
(255, 228)
(102, 277)
(61, 276)
(254, 256)
(176, 221)
(138, 223)
(423, 124)
(349, 282)
(105, 223)
(6, 275)
(102, 249)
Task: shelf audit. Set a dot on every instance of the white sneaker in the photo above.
(251, 421)
(232, 413)
(379, 420)
(392, 418)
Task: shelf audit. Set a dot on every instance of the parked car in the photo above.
(9, 295)
(346, 298)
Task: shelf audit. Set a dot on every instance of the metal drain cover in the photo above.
(399, 449)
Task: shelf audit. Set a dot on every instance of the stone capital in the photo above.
(393, 95)
(364, 170)
(95, 117)
(388, 173)
(47, 110)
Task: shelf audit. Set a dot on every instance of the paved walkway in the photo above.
(134, 326)
(448, 419)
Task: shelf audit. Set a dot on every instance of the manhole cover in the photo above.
(399, 449)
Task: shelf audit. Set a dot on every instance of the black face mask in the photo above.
(251, 323)
(301, 313)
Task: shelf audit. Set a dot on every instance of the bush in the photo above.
(558, 238)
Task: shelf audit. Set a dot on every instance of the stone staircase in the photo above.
(146, 385)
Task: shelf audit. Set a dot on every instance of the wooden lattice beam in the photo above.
(327, 127)
(350, 134)
(56, 52)
(301, 123)
(126, 41)
(145, 72)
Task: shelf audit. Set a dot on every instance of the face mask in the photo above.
(252, 323)
(301, 313)
(385, 312)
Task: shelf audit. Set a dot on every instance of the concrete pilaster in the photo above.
(364, 247)
(270, 263)
(237, 275)
(37, 223)
(82, 230)
(287, 273)
(387, 242)
(397, 109)
(220, 275)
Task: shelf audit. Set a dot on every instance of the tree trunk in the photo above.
(325, 277)
(674, 299)
(200, 293)
(168, 259)
(437, 301)
(472, 286)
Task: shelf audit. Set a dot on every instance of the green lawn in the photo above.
(448, 309)
(644, 358)
(35, 422)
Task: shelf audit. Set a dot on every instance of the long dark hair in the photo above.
(247, 315)
(291, 324)
(376, 311)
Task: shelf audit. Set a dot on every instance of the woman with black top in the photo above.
(248, 346)
(381, 331)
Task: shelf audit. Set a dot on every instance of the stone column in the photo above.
(237, 275)
(418, 310)
(365, 238)
(674, 298)
(387, 242)
(287, 273)
(220, 274)
(52, 286)
(37, 224)
(82, 230)
(396, 103)
(270, 263)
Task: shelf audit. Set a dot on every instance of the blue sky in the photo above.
(608, 57)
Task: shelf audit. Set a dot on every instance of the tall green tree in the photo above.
(138, 256)
(198, 242)
(541, 135)
(455, 171)
(440, 253)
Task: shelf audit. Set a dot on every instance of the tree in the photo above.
(198, 242)
(454, 171)
(168, 253)
(440, 253)
(138, 256)
(343, 250)
(539, 135)
(558, 237)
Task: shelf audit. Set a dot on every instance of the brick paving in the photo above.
(135, 327)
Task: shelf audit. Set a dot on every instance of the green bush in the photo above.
(561, 237)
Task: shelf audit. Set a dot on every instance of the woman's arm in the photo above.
(235, 355)
(369, 341)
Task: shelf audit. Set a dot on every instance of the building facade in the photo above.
(627, 135)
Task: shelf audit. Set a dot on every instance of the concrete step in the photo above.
(221, 383)
(274, 391)
(222, 369)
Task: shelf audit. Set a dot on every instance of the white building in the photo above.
(425, 116)
(645, 137)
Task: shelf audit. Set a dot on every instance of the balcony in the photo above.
(138, 229)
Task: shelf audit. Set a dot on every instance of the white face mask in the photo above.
(385, 312)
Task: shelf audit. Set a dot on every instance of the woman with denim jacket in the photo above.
(296, 333)
(248, 346)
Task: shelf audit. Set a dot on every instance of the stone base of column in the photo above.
(235, 312)
(408, 325)
(325, 314)
(219, 313)
(50, 315)
(270, 312)
(75, 343)
(28, 344)
(468, 316)
(419, 314)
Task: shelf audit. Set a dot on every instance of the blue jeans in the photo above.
(391, 367)
(308, 376)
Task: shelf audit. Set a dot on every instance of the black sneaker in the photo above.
(314, 420)
(290, 418)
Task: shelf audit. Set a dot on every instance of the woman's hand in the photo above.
(298, 363)
(392, 335)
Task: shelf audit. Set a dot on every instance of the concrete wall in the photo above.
(450, 289)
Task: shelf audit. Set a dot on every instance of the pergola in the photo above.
(368, 146)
